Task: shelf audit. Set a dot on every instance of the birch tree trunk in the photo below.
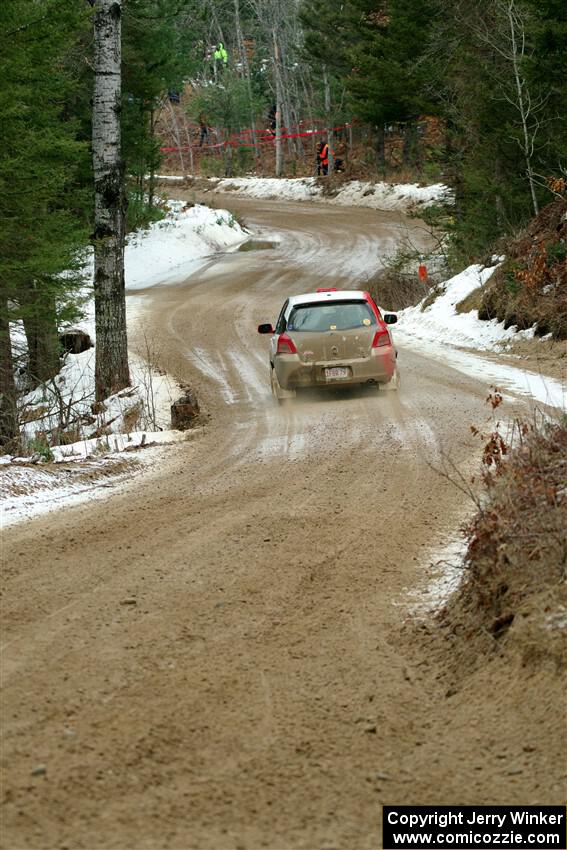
(111, 367)
(507, 38)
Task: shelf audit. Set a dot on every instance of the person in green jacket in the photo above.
(220, 56)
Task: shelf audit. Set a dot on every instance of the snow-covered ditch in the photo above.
(360, 193)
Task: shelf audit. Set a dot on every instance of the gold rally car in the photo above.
(331, 338)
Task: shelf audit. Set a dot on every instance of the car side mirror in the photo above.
(390, 318)
(265, 329)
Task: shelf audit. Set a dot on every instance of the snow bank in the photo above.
(170, 249)
(31, 490)
(66, 402)
(441, 331)
(382, 196)
(441, 321)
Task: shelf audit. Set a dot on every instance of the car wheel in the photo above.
(277, 390)
(393, 383)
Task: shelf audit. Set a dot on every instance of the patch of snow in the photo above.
(173, 248)
(36, 490)
(381, 196)
(391, 196)
(33, 490)
(441, 321)
(284, 189)
(542, 389)
(445, 567)
(67, 400)
(440, 331)
(168, 250)
(115, 443)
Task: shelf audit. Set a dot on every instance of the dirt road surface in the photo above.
(223, 656)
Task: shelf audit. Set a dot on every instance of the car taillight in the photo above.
(381, 338)
(286, 345)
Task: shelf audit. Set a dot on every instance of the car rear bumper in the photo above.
(378, 368)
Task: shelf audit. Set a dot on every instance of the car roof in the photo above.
(334, 295)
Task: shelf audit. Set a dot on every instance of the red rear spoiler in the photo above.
(329, 289)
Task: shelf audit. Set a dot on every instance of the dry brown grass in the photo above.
(517, 542)
(132, 418)
(513, 600)
(394, 290)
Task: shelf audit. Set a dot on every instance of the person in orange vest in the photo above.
(325, 158)
(322, 158)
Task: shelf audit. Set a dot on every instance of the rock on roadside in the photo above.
(184, 411)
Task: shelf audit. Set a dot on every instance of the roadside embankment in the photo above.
(530, 287)
(493, 660)
(514, 596)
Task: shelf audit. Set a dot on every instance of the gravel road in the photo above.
(222, 656)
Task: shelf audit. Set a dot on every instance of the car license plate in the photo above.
(336, 372)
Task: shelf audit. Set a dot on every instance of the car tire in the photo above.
(393, 383)
(277, 390)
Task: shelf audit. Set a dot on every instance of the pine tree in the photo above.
(42, 229)
(391, 70)
(156, 57)
(546, 71)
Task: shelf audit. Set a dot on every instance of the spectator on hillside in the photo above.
(322, 158)
(220, 57)
(203, 130)
(339, 159)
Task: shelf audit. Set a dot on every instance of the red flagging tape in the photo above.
(263, 139)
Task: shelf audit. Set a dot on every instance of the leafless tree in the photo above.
(505, 34)
(9, 427)
(279, 104)
(328, 118)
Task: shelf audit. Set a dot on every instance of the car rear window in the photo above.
(331, 316)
